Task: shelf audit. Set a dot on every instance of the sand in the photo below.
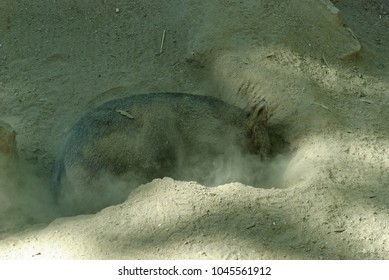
(323, 69)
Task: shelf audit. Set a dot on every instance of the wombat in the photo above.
(130, 141)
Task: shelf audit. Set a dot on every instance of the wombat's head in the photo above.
(256, 128)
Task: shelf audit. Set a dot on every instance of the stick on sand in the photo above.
(162, 41)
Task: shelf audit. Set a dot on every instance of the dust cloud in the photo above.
(236, 166)
(24, 197)
(207, 169)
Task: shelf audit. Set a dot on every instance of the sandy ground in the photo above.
(324, 73)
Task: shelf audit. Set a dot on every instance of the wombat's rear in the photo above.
(126, 142)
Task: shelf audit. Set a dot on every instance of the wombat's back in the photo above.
(143, 137)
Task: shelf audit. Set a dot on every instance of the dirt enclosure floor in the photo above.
(322, 66)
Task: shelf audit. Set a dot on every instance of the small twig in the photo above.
(250, 226)
(351, 32)
(162, 41)
(367, 101)
(324, 59)
(321, 105)
(125, 113)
